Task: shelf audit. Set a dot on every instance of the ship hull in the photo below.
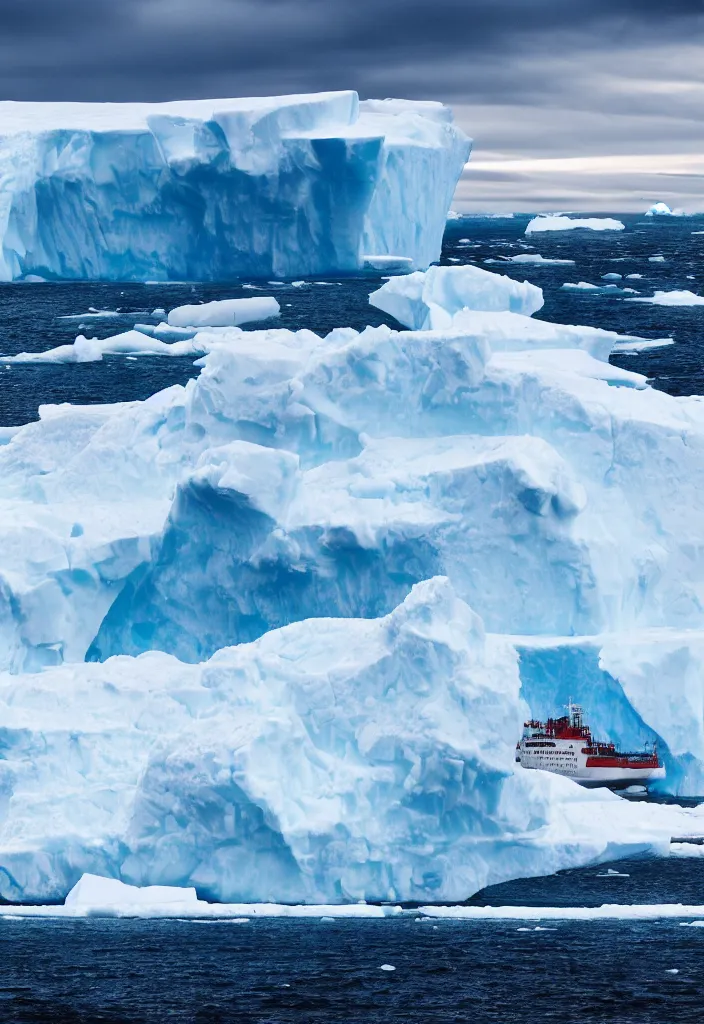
(593, 778)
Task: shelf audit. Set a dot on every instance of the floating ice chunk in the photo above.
(656, 259)
(634, 277)
(166, 333)
(611, 277)
(686, 850)
(642, 344)
(388, 264)
(661, 210)
(159, 313)
(674, 298)
(556, 222)
(224, 312)
(597, 289)
(528, 257)
(96, 893)
(607, 912)
(85, 350)
(428, 301)
(96, 314)
(387, 967)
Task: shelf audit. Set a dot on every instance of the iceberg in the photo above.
(661, 210)
(428, 301)
(214, 189)
(674, 298)
(330, 761)
(224, 312)
(558, 222)
(597, 289)
(529, 257)
(272, 635)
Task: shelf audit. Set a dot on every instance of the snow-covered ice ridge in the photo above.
(274, 634)
(211, 189)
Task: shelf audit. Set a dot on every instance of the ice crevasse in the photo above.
(213, 677)
(213, 189)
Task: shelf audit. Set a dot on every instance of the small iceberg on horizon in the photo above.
(558, 222)
(661, 210)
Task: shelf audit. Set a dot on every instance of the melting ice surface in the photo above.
(273, 634)
(211, 189)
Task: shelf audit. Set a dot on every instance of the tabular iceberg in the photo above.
(243, 624)
(212, 189)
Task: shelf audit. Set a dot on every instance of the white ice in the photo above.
(224, 312)
(215, 189)
(299, 698)
(598, 289)
(557, 222)
(428, 301)
(674, 298)
(528, 257)
(661, 210)
(607, 912)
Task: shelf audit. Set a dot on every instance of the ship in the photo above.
(565, 746)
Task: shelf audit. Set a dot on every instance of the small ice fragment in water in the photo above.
(328, 919)
(672, 970)
(387, 967)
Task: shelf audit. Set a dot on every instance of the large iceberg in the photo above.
(273, 634)
(212, 189)
(332, 760)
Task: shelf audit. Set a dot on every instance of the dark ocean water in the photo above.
(314, 971)
(29, 313)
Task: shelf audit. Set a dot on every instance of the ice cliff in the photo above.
(213, 189)
(273, 634)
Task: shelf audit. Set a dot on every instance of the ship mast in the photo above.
(576, 713)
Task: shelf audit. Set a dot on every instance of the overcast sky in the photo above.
(573, 104)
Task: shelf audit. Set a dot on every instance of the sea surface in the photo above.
(270, 971)
(31, 314)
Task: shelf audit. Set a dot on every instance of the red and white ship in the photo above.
(565, 746)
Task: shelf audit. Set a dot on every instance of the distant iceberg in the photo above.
(557, 222)
(661, 210)
(214, 189)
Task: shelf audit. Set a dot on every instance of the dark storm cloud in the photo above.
(129, 49)
(523, 74)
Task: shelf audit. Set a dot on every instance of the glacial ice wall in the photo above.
(213, 189)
